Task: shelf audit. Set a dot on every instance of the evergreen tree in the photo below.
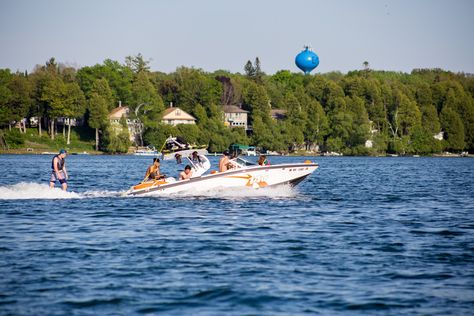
(249, 69)
(453, 129)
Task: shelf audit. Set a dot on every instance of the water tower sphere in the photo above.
(307, 60)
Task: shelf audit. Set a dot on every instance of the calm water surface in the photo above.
(361, 236)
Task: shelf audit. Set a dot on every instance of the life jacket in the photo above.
(60, 163)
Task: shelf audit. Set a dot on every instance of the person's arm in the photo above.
(147, 173)
(65, 172)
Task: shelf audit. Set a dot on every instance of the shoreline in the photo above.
(99, 153)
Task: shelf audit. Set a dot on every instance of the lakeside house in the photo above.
(74, 121)
(235, 116)
(135, 127)
(174, 116)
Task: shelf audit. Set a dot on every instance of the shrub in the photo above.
(14, 138)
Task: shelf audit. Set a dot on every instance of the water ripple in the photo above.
(362, 236)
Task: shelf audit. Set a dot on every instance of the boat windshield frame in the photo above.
(242, 163)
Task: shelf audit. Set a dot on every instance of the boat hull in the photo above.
(253, 177)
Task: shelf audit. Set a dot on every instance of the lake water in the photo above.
(361, 236)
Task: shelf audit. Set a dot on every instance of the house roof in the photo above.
(233, 109)
(118, 112)
(175, 113)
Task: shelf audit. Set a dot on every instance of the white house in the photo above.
(174, 116)
(235, 116)
(135, 127)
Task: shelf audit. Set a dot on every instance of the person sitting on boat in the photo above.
(186, 174)
(224, 163)
(153, 171)
(262, 161)
(178, 158)
(196, 158)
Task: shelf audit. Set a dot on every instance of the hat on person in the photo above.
(62, 151)
(226, 153)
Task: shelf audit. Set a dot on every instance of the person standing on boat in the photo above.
(59, 172)
(186, 174)
(153, 171)
(224, 161)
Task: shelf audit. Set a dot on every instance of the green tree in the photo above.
(40, 78)
(423, 142)
(6, 115)
(116, 138)
(20, 101)
(262, 135)
(102, 88)
(409, 115)
(360, 123)
(249, 69)
(195, 87)
(429, 119)
(453, 129)
(147, 104)
(256, 100)
(75, 105)
(119, 78)
(98, 115)
(53, 95)
(317, 125)
(137, 63)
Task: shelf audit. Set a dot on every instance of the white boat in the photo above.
(251, 151)
(148, 151)
(243, 174)
(178, 146)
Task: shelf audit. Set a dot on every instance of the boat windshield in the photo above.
(244, 162)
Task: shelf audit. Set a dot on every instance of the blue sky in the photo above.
(219, 34)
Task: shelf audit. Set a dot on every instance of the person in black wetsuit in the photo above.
(58, 170)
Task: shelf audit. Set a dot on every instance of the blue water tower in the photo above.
(307, 60)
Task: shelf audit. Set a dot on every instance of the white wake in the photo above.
(41, 191)
(31, 190)
(283, 191)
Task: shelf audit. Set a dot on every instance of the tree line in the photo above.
(392, 112)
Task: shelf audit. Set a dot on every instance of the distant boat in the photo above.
(239, 149)
(272, 153)
(148, 151)
(251, 151)
(331, 154)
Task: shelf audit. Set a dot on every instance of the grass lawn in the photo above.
(82, 139)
